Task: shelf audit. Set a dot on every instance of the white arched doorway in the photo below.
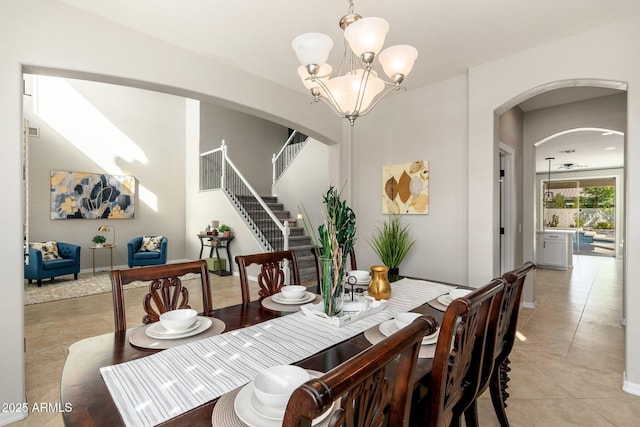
(527, 170)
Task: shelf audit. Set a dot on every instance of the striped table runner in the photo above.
(161, 386)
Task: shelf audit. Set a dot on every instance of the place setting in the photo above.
(290, 298)
(442, 302)
(391, 326)
(262, 402)
(176, 327)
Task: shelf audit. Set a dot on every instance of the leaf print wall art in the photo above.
(405, 188)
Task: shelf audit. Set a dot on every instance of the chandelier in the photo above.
(548, 195)
(359, 89)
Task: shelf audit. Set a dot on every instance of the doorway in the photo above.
(507, 208)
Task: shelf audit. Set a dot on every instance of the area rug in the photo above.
(65, 287)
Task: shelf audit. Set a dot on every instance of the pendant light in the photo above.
(355, 87)
(548, 194)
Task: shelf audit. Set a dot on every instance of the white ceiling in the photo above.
(451, 35)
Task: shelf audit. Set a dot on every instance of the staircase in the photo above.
(260, 213)
(298, 240)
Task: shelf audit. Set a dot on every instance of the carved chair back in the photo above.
(272, 272)
(458, 361)
(498, 359)
(367, 397)
(166, 291)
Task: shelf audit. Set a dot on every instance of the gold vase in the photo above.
(379, 287)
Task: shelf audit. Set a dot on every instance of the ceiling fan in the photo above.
(571, 166)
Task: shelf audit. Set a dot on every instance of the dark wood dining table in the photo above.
(83, 389)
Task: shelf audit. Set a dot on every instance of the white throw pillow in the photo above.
(49, 250)
(151, 244)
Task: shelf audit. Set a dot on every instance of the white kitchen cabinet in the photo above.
(555, 249)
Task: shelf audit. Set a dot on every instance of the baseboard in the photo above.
(630, 387)
(7, 418)
(530, 305)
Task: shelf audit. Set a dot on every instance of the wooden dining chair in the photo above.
(498, 375)
(166, 291)
(367, 397)
(458, 366)
(272, 272)
(352, 261)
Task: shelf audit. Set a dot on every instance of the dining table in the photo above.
(95, 389)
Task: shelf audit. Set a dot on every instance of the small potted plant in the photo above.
(99, 240)
(225, 230)
(392, 243)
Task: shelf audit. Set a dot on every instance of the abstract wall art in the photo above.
(91, 195)
(405, 188)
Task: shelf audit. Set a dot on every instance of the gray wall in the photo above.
(102, 128)
(437, 134)
(250, 141)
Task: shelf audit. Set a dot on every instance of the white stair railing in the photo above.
(219, 171)
(281, 161)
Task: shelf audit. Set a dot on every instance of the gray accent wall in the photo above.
(102, 128)
(251, 141)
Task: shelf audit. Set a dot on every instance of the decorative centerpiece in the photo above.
(333, 243)
(392, 242)
(99, 240)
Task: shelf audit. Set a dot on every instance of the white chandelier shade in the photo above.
(353, 92)
(398, 59)
(312, 48)
(347, 89)
(366, 35)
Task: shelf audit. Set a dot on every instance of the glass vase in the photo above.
(332, 286)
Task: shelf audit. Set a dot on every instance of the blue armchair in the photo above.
(68, 263)
(138, 257)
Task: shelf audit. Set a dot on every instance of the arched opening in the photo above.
(547, 113)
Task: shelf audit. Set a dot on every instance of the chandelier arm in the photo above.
(333, 108)
(374, 103)
(363, 87)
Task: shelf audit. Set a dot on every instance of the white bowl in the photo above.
(274, 385)
(178, 320)
(404, 319)
(293, 292)
(361, 275)
(458, 293)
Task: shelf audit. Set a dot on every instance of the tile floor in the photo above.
(566, 370)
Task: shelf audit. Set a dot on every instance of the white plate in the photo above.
(204, 323)
(160, 330)
(389, 328)
(431, 339)
(243, 407)
(444, 300)
(282, 300)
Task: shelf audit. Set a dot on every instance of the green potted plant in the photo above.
(225, 230)
(392, 242)
(99, 240)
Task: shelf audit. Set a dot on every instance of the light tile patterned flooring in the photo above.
(566, 370)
